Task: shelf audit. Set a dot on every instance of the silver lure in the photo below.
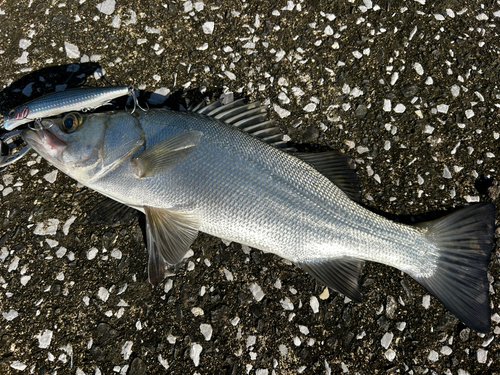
(61, 102)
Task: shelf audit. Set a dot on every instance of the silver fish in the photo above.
(220, 170)
(62, 102)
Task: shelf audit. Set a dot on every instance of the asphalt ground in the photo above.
(408, 89)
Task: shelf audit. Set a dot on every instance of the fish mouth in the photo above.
(43, 138)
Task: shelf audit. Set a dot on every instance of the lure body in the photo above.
(60, 102)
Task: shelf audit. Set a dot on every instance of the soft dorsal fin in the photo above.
(251, 118)
(337, 168)
(340, 274)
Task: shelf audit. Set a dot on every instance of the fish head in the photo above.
(85, 146)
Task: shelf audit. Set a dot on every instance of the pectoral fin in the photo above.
(169, 235)
(166, 154)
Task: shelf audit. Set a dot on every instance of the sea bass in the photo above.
(222, 170)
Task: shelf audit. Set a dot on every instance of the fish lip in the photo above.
(44, 138)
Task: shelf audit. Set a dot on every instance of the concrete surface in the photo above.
(407, 89)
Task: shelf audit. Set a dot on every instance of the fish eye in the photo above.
(72, 121)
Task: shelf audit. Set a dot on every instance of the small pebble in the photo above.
(194, 353)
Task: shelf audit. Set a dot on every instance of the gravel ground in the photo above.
(407, 89)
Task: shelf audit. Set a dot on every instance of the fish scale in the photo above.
(189, 172)
(218, 187)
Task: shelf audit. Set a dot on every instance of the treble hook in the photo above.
(131, 92)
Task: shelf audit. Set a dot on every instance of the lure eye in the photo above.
(72, 121)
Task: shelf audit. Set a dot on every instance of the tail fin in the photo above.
(465, 239)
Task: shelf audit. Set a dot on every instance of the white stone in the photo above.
(455, 90)
(42, 230)
(297, 91)
(387, 105)
(194, 353)
(51, 243)
(482, 17)
(443, 108)
(18, 365)
(446, 350)
(230, 75)
(103, 294)
(61, 252)
(116, 253)
(433, 356)
(206, 331)
(24, 43)
(362, 149)
(257, 292)
(418, 68)
(25, 279)
(106, 7)
(163, 362)
(446, 173)
(282, 113)
(314, 303)
(116, 22)
(311, 107)
(469, 113)
(67, 224)
(208, 27)
(11, 315)
(390, 355)
(482, 355)
(127, 350)
(23, 59)
(386, 340)
(197, 311)
(14, 264)
(228, 274)
(44, 338)
(92, 253)
(399, 108)
(328, 30)
(426, 301)
(287, 304)
(394, 78)
(356, 92)
(168, 285)
(72, 50)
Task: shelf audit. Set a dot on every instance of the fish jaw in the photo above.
(45, 142)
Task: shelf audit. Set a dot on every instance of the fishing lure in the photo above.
(65, 101)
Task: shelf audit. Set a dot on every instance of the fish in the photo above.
(225, 170)
(61, 102)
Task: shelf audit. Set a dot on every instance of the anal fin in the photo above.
(339, 274)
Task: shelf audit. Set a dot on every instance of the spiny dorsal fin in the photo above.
(337, 168)
(251, 118)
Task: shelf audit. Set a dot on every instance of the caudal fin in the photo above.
(465, 240)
